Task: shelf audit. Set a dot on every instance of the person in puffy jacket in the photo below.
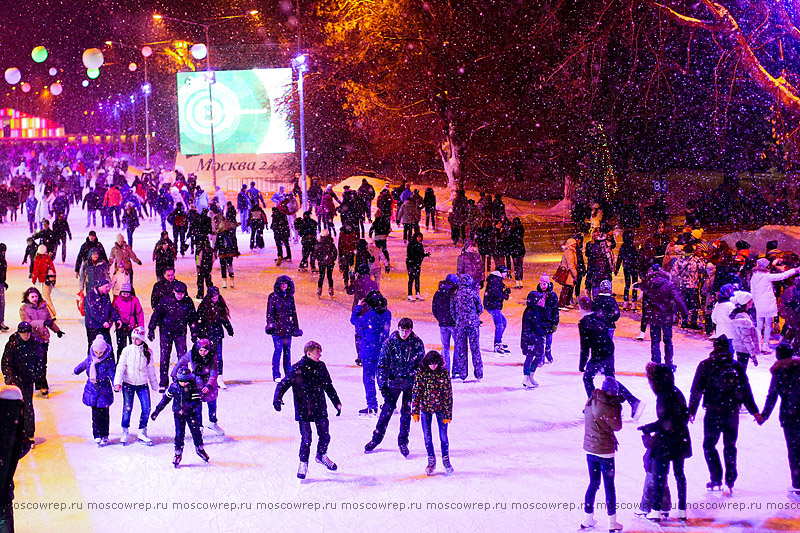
(761, 287)
(93, 270)
(470, 262)
(282, 324)
(44, 275)
(310, 382)
(326, 253)
(549, 315)
(164, 254)
(493, 297)
(662, 300)
(441, 311)
(202, 359)
(399, 359)
(23, 365)
(101, 315)
(227, 248)
(745, 336)
(721, 314)
(187, 404)
(34, 311)
(280, 231)
(122, 252)
(466, 309)
(409, 216)
(569, 261)
(306, 228)
(785, 384)
(131, 315)
(359, 288)
(373, 322)
(172, 316)
(532, 338)
(135, 371)
(605, 306)
(98, 393)
(213, 321)
(602, 418)
(432, 396)
(688, 271)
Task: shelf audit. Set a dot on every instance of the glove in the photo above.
(582, 369)
(230, 332)
(446, 420)
(755, 361)
(339, 410)
(151, 336)
(139, 263)
(388, 268)
(297, 332)
(415, 417)
(59, 333)
(277, 405)
(270, 329)
(5, 285)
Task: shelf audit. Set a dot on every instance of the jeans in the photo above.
(166, 340)
(226, 266)
(464, 335)
(323, 436)
(325, 270)
(194, 420)
(446, 333)
(791, 433)
(499, 324)
(244, 216)
(114, 213)
(280, 243)
(548, 346)
(100, 422)
(369, 369)
(534, 356)
(764, 328)
(656, 333)
(130, 236)
(631, 277)
(726, 424)
(63, 243)
(660, 471)
(128, 392)
(387, 409)
(605, 367)
(600, 466)
(179, 237)
(282, 345)
(212, 411)
(430, 217)
(32, 224)
(163, 216)
(427, 435)
(308, 254)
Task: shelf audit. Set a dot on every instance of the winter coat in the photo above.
(688, 271)
(466, 305)
(496, 292)
(415, 254)
(172, 316)
(226, 244)
(61, 229)
(306, 229)
(360, 287)
(326, 251)
(408, 213)
(205, 370)
(785, 383)
(596, 343)
(130, 312)
(41, 266)
(432, 392)
(374, 328)
(83, 253)
(381, 228)
(662, 299)
(92, 274)
(398, 362)
(134, 369)
(533, 325)
(112, 198)
(515, 242)
(23, 361)
(599, 262)
(719, 397)
(100, 393)
(347, 243)
(671, 429)
(569, 260)
(125, 254)
(549, 313)
(204, 258)
(484, 238)
(441, 302)
(40, 319)
(606, 308)
(187, 399)
(602, 417)
(281, 311)
(628, 257)
(310, 382)
(280, 225)
(721, 317)
(98, 309)
(161, 289)
(164, 258)
(745, 335)
(763, 292)
(470, 263)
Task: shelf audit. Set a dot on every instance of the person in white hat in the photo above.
(764, 297)
(134, 373)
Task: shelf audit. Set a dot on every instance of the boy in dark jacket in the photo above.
(307, 230)
(493, 297)
(605, 307)
(549, 315)
(30, 253)
(310, 382)
(280, 231)
(186, 409)
(172, 316)
(724, 387)
(597, 354)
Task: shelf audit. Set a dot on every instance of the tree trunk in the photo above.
(564, 207)
(450, 153)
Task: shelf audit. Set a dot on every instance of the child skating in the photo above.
(310, 382)
(432, 397)
(98, 393)
(187, 410)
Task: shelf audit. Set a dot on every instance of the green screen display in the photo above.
(245, 107)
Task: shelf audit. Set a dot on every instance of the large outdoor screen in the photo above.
(246, 109)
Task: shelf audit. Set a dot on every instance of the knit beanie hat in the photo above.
(139, 333)
(610, 386)
(544, 279)
(741, 298)
(605, 286)
(42, 249)
(763, 262)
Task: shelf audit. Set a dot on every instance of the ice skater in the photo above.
(310, 382)
(135, 372)
(432, 397)
(186, 409)
(98, 392)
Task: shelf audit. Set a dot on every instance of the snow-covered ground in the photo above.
(517, 454)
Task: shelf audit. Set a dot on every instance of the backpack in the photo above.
(726, 384)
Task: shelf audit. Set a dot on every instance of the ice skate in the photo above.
(530, 383)
(431, 465)
(404, 450)
(613, 525)
(714, 486)
(221, 382)
(103, 442)
(3, 327)
(411, 298)
(124, 438)
(215, 428)
(330, 291)
(201, 453)
(682, 515)
(793, 491)
(447, 466)
(98, 441)
(178, 456)
(232, 282)
(371, 445)
(730, 488)
(224, 283)
(302, 470)
(588, 522)
(143, 437)
(420, 297)
(500, 349)
(640, 336)
(654, 516)
(319, 292)
(368, 413)
(637, 408)
(278, 261)
(326, 462)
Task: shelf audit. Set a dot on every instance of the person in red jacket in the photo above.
(113, 202)
(44, 273)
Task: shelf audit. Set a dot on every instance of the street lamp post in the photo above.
(301, 65)
(210, 78)
(133, 131)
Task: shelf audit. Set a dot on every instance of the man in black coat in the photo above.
(22, 365)
(724, 387)
(549, 315)
(100, 314)
(441, 310)
(597, 354)
(310, 382)
(307, 230)
(400, 357)
(91, 244)
(162, 287)
(785, 383)
(661, 300)
(13, 447)
(172, 316)
(605, 306)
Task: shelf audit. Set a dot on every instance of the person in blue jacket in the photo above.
(373, 321)
(98, 393)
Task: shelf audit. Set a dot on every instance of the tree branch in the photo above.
(786, 23)
(689, 22)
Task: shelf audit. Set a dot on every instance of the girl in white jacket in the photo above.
(764, 298)
(135, 371)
